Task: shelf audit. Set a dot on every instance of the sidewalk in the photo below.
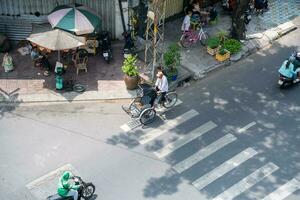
(105, 81)
(261, 31)
(28, 84)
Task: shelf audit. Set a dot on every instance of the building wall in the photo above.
(174, 7)
(14, 10)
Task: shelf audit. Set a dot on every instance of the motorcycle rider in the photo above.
(66, 187)
(289, 69)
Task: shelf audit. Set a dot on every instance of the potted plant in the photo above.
(172, 58)
(232, 45)
(222, 36)
(213, 45)
(223, 54)
(131, 72)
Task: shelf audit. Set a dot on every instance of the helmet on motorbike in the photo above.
(298, 55)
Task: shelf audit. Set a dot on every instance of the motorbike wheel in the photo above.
(170, 100)
(88, 191)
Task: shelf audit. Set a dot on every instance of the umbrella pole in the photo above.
(58, 55)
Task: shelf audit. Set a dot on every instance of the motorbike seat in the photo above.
(57, 197)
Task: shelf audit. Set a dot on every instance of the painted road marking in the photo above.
(49, 176)
(225, 167)
(284, 191)
(134, 123)
(203, 153)
(185, 139)
(242, 130)
(169, 124)
(247, 182)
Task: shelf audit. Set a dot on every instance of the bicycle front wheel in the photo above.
(147, 116)
(170, 100)
(204, 39)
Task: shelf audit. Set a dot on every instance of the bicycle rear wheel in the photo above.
(147, 116)
(204, 39)
(186, 41)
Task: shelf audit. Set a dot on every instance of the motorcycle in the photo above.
(85, 191)
(105, 45)
(286, 79)
(129, 45)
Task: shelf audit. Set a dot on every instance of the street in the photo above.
(234, 136)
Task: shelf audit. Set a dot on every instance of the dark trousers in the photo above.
(160, 97)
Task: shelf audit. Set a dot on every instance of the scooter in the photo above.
(105, 45)
(85, 191)
(284, 80)
(129, 45)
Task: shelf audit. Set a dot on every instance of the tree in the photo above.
(238, 28)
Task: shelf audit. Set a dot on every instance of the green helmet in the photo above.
(66, 175)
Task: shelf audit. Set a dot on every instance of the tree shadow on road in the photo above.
(271, 108)
(9, 101)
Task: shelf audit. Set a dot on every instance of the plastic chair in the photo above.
(81, 65)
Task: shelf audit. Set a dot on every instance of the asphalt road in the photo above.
(234, 136)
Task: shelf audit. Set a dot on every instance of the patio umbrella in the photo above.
(57, 40)
(74, 18)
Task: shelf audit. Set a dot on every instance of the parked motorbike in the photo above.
(85, 191)
(285, 80)
(247, 15)
(129, 45)
(105, 45)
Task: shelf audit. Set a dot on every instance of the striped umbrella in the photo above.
(74, 18)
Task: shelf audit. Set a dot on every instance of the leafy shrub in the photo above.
(129, 68)
(172, 56)
(232, 45)
(213, 42)
(222, 51)
(222, 36)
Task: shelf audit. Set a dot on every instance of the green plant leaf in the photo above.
(129, 68)
(232, 45)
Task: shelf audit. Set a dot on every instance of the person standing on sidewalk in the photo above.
(186, 24)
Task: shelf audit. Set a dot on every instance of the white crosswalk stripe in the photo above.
(284, 191)
(242, 130)
(169, 124)
(203, 153)
(134, 123)
(247, 182)
(224, 168)
(185, 139)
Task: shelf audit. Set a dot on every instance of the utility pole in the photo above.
(155, 35)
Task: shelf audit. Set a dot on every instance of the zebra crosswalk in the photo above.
(240, 159)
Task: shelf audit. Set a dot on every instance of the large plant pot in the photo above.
(131, 82)
(221, 58)
(212, 51)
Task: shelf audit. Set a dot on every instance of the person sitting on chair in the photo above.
(161, 85)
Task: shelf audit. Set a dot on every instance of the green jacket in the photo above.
(65, 184)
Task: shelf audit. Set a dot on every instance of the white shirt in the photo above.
(186, 23)
(162, 84)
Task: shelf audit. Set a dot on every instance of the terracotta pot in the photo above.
(131, 82)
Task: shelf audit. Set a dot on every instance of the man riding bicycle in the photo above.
(161, 85)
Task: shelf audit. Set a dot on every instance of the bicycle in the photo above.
(143, 106)
(189, 38)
